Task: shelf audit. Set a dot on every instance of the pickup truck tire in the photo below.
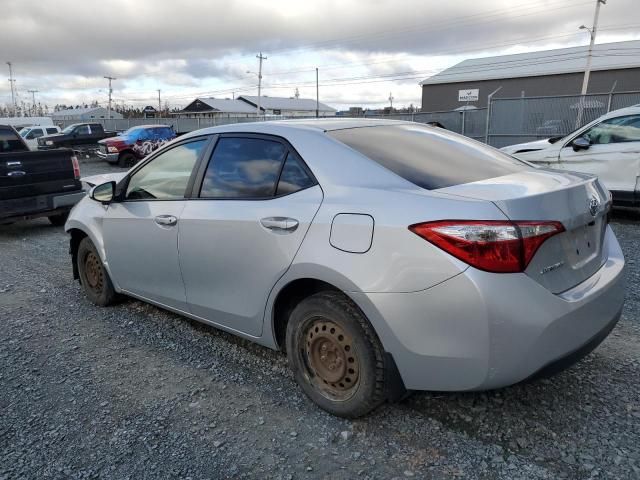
(94, 278)
(336, 356)
(59, 219)
(126, 160)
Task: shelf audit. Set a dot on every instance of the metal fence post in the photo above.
(611, 96)
(489, 98)
(462, 128)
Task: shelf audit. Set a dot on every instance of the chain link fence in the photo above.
(506, 121)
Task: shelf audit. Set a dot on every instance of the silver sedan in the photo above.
(382, 256)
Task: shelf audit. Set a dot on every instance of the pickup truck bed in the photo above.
(36, 183)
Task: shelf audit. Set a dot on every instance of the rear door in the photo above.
(614, 155)
(253, 203)
(141, 231)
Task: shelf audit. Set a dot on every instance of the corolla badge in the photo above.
(594, 205)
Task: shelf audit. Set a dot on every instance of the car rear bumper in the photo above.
(38, 206)
(109, 157)
(480, 330)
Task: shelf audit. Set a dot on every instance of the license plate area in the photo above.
(584, 244)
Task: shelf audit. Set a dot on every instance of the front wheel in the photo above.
(335, 355)
(93, 276)
(126, 160)
(59, 219)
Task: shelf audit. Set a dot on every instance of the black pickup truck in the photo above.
(36, 184)
(78, 136)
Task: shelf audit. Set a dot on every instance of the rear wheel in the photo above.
(126, 160)
(59, 219)
(335, 355)
(93, 276)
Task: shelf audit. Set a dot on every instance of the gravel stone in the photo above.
(132, 391)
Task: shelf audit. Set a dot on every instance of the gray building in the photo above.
(550, 72)
(204, 107)
(290, 107)
(84, 114)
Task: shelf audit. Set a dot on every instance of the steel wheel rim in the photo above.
(332, 360)
(93, 272)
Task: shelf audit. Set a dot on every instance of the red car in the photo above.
(134, 144)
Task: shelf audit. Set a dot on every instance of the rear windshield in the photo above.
(9, 141)
(428, 157)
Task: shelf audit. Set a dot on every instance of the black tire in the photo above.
(59, 219)
(342, 371)
(127, 160)
(94, 278)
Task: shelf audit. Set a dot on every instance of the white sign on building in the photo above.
(470, 95)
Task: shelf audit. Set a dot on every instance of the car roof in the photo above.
(632, 110)
(308, 124)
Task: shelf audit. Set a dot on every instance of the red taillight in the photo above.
(493, 246)
(76, 167)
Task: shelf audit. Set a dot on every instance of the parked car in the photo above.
(552, 127)
(31, 134)
(608, 147)
(134, 144)
(78, 136)
(36, 184)
(381, 255)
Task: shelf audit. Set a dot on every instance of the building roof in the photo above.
(79, 111)
(283, 103)
(226, 105)
(606, 56)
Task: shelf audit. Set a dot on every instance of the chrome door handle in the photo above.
(280, 224)
(166, 220)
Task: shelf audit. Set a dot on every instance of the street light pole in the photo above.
(592, 32)
(13, 93)
(260, 58)
(159, 104)
(317, 95)
(110, 92)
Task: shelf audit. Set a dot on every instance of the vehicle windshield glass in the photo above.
(69, 129)
(428, 156)
(133, 131)
(24, 132)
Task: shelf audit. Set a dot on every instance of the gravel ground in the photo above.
(136, 392)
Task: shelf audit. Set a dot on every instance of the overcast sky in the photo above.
(364, 49)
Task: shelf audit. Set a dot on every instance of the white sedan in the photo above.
(608, 147)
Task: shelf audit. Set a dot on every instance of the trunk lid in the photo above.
(576, 200)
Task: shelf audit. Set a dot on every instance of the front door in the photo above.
(613, 155)
(141, 232)
(255, 203)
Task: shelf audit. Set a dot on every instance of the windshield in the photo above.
(24, 132)
(70, 128)
(133, 131)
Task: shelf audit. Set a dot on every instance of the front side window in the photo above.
(52, 130)
(83, 130)
(167, 175)
(243, 168)
(615, 130)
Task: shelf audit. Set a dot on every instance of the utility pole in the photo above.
(159, 104)
(260, 58)
(33, 101)
(390, 102)
(317, 95)
(592, 31)
(110, 92)
(13, 90)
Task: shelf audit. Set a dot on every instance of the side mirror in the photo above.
(104, 193)
(580, 143)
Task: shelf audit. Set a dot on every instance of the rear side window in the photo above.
(243, 168)
(427, 157)
(294, 177)
(9, 141)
